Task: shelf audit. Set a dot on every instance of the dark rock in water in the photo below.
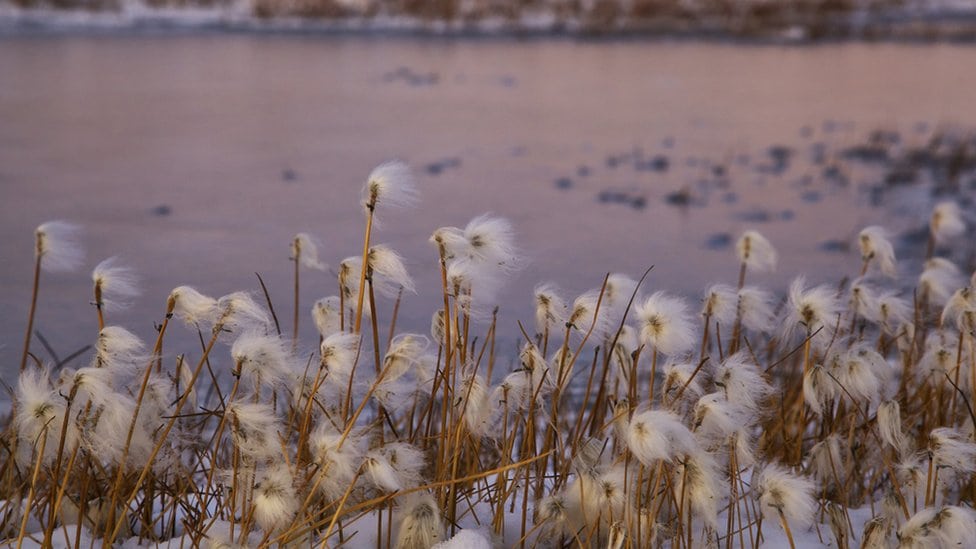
(718, 241)
(719, 170)
(835, 246)
(900, 176)
(730, 198)
(915, 237)
(612, 161)
(818, 152)
(867, 153)
(811, 196)
(787, 215)
(678, 198)
(162, 210)
(289, 175)
(564, 183)
(638, 203)
(583, 171)
(508, 81)
(434, 168)
(659, 163)
(835, 175)
(780, 154)
(755, 216)
(613, 197)
(884, 137)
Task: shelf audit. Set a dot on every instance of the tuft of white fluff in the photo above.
(676, 376)
(819, 389)
(255, 428)
(946, 222)
(917, 531)
(275, 500)
(780, 491)
(756, 252)
(261, 359)
(420, 524)
(951, 448)
(720, 304)
(877, 532)
(741, 381)
(473, 399)
(617, 293)
(889, 425)
(700, 477)
(390, 184)
(467, 539)
(876, 246)
(192, 306)
(339, 352)
(115, 283)
(118, 350)
(893, 311)
(550, 308)
(812, 308)
(56, 244)
(665, 324)
(338, 463)
(326, 315)
(491, 241)
(940, 278)
(583, 313)
(40, 408)
(655, 435)
(955, 526)
(349, 270)
(959, 309)
(238, 311)
(756, 309)
(716, 418)
(305, 249)
(389, 272)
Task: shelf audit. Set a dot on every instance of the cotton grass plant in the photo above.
(845, 412)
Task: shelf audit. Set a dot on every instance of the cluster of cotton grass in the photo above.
(633, 418)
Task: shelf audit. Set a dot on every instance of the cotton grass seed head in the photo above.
(550, 308)
(665, 324)
(192, 306)
(275, 499)
(876, 249)
(305, 249)
(56, 245)
(326, 315)
(390, 184)
(946, 222)
(115, 284)
(756, 252)
(780, 491)
(420, 524)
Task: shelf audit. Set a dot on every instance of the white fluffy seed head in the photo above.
(40, 410)
(255, 427)
(781, 491)
(700, 478)
(720, 304)
(420, 524)
(756, 309)
(261, 359)
(876, 249)
(889, 425)
(950, 448)
(584, 313)
(390, 184)
(955, 526)
(275, 499)
(742, 382)
(326, 315)
(491, 241)
(818, 389)
(811, 309)
(114, 284)
(337, 463)
(389, 272)
(659, 435)
(665, 324)
(716, 418)
(119, 350)
(617, 293)
(192, 306)
(550, 308)
(304, 248)
(756, 252)
(239, 311)
(946, 222)
(56, 244)
(960, 309)
(338, 355)
(939, 280)
(877, 532)
(893, 311)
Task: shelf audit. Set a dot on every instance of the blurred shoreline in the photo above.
(762, 21)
